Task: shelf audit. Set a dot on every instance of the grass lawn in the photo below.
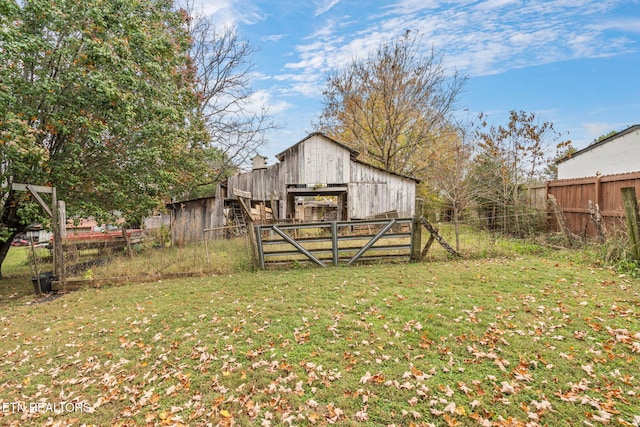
(502, 342)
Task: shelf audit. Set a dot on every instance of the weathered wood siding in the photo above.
(263, 184)
(189, 219)
(316, 160)
(373, 191)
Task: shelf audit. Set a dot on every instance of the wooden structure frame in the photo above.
(56, 213)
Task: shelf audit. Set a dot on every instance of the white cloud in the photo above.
(324, 6)
(273, 37)
(630, 25)
(595, 130)
(477, 38)
(496, 4)
(262, 99)
(231, 12)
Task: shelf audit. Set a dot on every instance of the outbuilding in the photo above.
(617, 154)
(316, 179)
(327, 176)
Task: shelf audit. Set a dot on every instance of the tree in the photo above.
(551, 169)
(98, 100)
(510, 157)
(604, 136)
(448, 173)
(391, 106)
(223, 72)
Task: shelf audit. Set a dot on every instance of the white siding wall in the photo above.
(620, 155)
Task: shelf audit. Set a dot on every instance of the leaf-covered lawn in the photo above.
(509, 342)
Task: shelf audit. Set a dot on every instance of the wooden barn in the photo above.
(322, 177)
(316, 179)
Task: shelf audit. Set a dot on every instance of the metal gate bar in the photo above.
(334, 251)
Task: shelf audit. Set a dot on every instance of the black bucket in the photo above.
(45, 282)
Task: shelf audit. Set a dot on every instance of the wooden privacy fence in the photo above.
(574, 196)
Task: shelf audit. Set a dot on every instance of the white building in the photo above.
(617, 154)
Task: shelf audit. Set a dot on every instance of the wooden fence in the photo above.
(573, 197)
(331, 243)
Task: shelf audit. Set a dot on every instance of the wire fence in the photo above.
(477, 234)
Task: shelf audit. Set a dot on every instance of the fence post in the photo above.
(560, 218)
(632, 219)
(416, 233)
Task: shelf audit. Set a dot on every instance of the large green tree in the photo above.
(97, 99)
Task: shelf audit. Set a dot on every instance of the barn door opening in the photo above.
(316, 205)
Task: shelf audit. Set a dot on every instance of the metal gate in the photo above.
(335, 242)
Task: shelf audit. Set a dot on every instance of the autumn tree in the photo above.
(392, 105)
(509, 158)
(98, 100)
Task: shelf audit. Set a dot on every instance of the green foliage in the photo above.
(99, 101)
(615, 252)
(604, 136)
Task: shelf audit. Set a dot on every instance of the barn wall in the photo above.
(263, 184)
(189, 220)
(325, 162)
(318, 160)
(373, 191)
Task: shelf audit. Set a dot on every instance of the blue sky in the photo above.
(575, 63)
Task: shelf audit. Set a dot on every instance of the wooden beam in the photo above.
(38, 188)
(416, 233)
(34, 192)
(53, 212)
(434, 233)
(241, 193)
(560, 218)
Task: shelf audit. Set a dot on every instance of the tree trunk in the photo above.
(9, 220)
(4, 249)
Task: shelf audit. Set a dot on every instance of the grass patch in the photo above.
(217, 257)
(506, 341)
